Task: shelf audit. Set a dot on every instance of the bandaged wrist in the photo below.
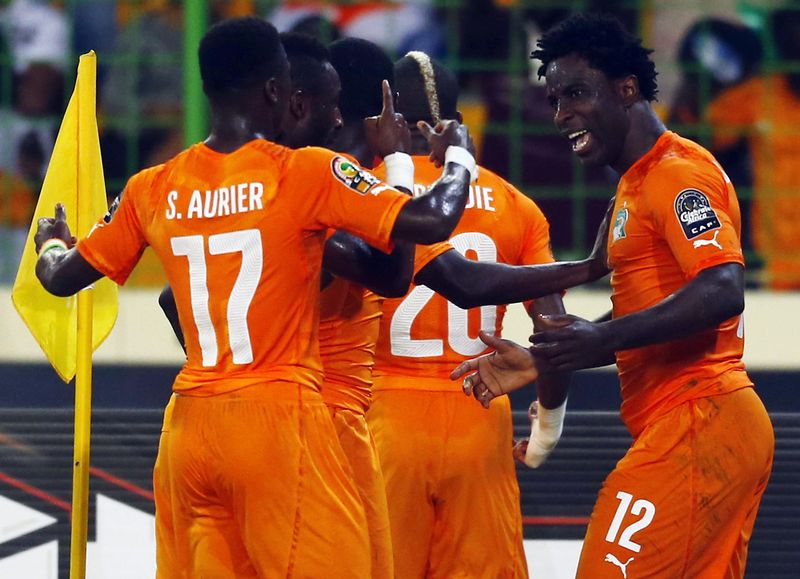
(461, 156)
(545, 433)
(52, 243)
(400, 171)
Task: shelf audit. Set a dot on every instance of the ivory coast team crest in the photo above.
(620, 221)
(353, 176)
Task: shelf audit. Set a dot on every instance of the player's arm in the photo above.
(431, 217)
(716, 294)
(548, 411)
(60, 268)
(352, 258)
(166, 299)
(469, 283)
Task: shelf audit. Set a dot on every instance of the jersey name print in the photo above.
(222, 201)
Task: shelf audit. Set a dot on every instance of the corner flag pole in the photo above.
(83, 374)
(67, 329)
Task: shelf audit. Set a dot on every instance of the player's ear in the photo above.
(459, 117)
(298, 104)
(271, 91)
(628, 88)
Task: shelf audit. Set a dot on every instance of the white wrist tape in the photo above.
(52, 243)
(461, 156)
(545, 433)
(400, 171)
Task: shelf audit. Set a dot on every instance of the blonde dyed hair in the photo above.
(428, 81)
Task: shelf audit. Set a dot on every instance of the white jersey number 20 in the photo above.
(457, 334)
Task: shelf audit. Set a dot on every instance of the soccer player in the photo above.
(257, 488)
(683, 500)
(450, 477)
(349, 312)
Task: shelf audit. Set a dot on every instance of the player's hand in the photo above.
(598, 259)
(49, 228)
(508, 368)
(572, 343)
(533, 451)
(388, 133)
(443, 135)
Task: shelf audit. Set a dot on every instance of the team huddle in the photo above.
(337, 268)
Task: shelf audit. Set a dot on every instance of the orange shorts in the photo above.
(683, 500)
(359, 447)
(451, 484)
(257, 486)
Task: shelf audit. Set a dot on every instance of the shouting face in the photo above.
(589, 109)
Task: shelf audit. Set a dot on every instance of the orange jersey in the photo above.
(676, 214)
(348, 331)
(241, 236)
(423, 336)
(768, 113)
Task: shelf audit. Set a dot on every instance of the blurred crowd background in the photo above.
(729, 78)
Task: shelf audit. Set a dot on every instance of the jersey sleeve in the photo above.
(425, 254)
(691, 205)
(115, 244)
(351, 198)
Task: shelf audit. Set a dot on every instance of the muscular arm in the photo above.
(716, 294)
(431, 217)
(350, 257)
(468, 283)
(551, 387)
(64, 273)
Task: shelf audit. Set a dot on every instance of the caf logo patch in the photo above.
(694, 213)
(618, 231)
(353, 176)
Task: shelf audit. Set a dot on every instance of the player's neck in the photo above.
(645, 130)
(231, 129)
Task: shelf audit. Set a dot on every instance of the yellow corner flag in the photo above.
(74, 178)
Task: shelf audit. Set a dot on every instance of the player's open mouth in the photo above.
(580, 140)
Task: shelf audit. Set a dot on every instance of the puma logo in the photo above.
(713, 241)
(614, 561)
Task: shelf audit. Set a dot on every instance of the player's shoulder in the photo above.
(144, 180)
(683, 158)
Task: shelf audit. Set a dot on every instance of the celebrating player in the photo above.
(683, 500)
(450, 478)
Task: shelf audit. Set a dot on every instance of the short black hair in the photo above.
(307, 58)
(362, 67)
(604, 43)
(239, 53)
(428, 90)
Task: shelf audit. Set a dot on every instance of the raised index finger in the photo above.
(388, 99)
(61, 213)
